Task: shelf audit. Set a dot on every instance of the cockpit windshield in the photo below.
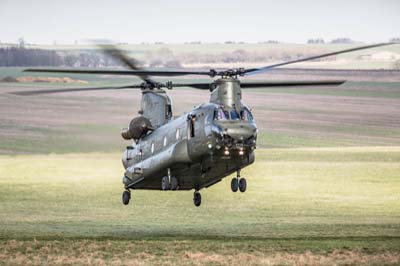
(246, 115)
(222, 114)
(234, 115)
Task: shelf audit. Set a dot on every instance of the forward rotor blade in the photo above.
(50, 91)
(114, 52)
(254, 71)
(200, 86)
(268, 84)
(120, 72)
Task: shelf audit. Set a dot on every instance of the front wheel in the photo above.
(234, 184)
(242, 184)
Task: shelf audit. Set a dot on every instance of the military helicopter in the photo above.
(196, 149)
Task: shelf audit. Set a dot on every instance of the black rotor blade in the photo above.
(50, 91)
(254, 71)
(114, 52)
(201, 86)
(268, 84)
(120, 72)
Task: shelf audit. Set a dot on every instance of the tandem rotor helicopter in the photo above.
(196, 149)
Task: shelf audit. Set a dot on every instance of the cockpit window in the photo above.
(246, 115)
(222, 114)
(234, 115)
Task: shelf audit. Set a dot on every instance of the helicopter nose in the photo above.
(239, 131)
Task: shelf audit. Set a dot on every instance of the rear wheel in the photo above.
(174, 183)
(165, 183)
(126, 196)
(234, 184)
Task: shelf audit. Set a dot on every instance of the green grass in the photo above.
(316, 201)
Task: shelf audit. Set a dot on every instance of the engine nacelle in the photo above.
(138, 127)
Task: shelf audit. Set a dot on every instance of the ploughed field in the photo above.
(325, 187)
(359, 113)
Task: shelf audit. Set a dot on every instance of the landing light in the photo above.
(241, 152)
(226, 152)
(210, 146)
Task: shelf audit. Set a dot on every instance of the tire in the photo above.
(197, 199)
(234, 184)
(126, 196)
(165, 184)
(174, 183)
(242, 184)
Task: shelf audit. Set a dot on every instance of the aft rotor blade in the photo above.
(50, 91)
(254, 71)
(120, 72)
(268, 84)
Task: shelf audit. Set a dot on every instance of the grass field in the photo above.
(324, 190)
(303, 206)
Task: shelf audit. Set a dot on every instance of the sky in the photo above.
(177, 21)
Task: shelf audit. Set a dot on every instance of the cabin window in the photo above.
(168, 111)
(165, 141)
(191, 121)
(139, 154)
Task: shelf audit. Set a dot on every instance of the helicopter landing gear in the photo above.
(234, 184)
(169, 182)
(126, 196)
(197, 198)
(174, 183)
(242, 184)
(165, 183)
(238, 183)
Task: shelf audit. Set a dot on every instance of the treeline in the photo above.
(161, 58)
(167, 58)
(19, 56)
(334, 41)
(13, 56)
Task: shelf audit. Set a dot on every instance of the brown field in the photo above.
(360, 112)
(89, 252)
